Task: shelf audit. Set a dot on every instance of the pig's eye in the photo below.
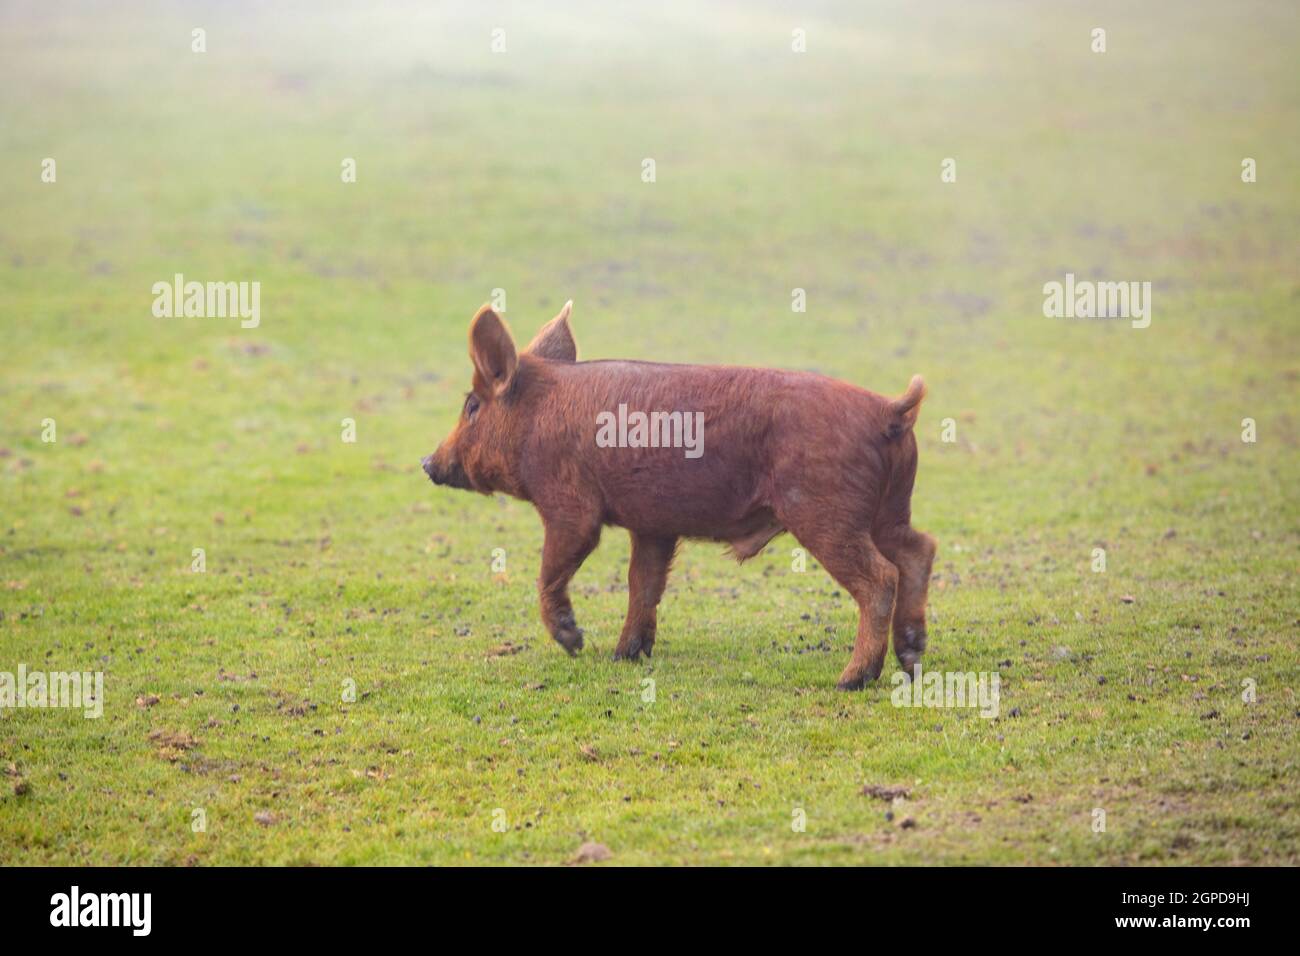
(471, 405)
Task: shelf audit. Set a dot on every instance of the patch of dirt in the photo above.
(20, 785)
(881, 792)
(172, 744)
(591, 852)
(224, 675)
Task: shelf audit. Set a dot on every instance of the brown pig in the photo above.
(736, 455)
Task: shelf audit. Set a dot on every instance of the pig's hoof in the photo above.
(630, 648)
(853, 679)
(911, 639)
(569, 637)
(909, 661)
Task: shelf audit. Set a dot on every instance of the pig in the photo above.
(831, 463)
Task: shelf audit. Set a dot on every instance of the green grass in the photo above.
(330, 562)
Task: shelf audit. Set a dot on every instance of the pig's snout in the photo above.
(444, 472)
(436, 474)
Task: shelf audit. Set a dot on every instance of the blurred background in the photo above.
(521, 170)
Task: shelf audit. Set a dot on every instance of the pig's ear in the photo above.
(555, 340)
(492, 351)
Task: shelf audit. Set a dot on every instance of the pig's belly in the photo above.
(746, 532)
(720, 497)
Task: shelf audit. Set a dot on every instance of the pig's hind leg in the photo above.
(853, 560)
(912, 552)
(647, 574)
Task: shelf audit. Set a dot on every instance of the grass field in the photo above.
(331, 564)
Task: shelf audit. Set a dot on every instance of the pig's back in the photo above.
(717, 478)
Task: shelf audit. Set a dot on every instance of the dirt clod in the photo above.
(591, 852)
(881, 792)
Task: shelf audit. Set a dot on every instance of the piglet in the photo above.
(722, 453)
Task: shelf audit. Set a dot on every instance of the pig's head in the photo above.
(483, 451)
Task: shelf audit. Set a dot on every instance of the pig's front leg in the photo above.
(646, 576)
(567, 544)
